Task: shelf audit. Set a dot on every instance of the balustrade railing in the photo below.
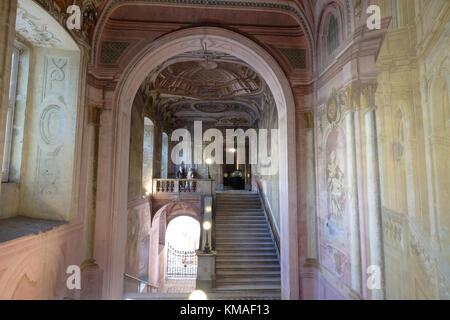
(204, 186)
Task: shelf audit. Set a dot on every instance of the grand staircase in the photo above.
(247, 263)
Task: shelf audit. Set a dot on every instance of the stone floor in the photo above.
(178, 286)
(16, 227)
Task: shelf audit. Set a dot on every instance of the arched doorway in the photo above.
(155, 54)
(160, 238)
(182, 240)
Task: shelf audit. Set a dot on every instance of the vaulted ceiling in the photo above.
(216, 88)
(208, 76)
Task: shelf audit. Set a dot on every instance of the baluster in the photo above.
(158, 185)
(194, 186)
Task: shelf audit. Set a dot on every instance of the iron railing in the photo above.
(181, 264)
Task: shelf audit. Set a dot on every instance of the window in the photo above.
(10, 115)
(147, 156)
(332, 35)
(164, 155)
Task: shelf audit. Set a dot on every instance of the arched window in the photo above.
(164, 155)
(39, 158)
(332, 35)
(147, 157)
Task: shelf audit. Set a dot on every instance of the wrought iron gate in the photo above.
(181, 264)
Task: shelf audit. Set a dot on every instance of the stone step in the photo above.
(241, 233)
(248, 281)
(236, 199)
(237, 220)
(239, 208)
(240, 250)
(236, 195)
(246, 273)
(243, 287)
(246, 260)
(241, 220)
(249, 245)
(247, 240)
(241, 227)
(245, 295)
(247, 254)
(234, 224)
(243, 214)
(238, 203)
(238, 223)
(242, 206)
(251, 268)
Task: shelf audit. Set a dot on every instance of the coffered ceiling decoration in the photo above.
(112, 51)
(216, 88)
(297, 57)
(208, 79)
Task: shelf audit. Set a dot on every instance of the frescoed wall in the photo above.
(268, 180)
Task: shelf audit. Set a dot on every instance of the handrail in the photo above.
(269, 218)
(213, 229)
(140, 281)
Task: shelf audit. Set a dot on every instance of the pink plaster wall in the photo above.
(34, 267)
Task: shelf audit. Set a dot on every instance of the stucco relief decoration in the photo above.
(56, 70)
(208, 79)
(335, 189)
(48, 172)
(28, 26)
(334, 108)
(58, 10)
(55, 84)
(51, 124)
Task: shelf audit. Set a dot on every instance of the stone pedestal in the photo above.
(206, 270)
(91, 281)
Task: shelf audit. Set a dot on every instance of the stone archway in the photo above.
(158, 230)
(153, 55)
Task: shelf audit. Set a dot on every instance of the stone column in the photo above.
(352, 188)
(8, 9)
(91, 272)
(311, 221)
(376, 250)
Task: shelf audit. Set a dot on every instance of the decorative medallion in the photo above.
(333, 108)
(50, 124)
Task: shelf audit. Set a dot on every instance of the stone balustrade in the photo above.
(198, 186)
